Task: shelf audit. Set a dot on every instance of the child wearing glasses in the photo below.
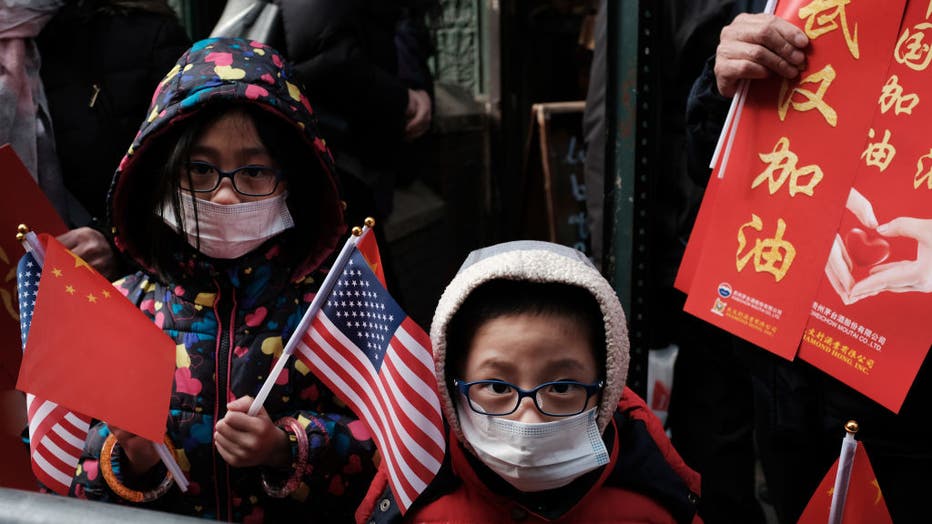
(531, 352)
(227, 203)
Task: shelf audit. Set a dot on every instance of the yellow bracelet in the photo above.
(106, 468)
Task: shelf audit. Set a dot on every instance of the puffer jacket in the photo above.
(645, 480)
(230, 319)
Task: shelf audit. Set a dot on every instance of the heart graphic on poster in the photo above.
(866, 248)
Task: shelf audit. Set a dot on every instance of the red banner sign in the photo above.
(868, 324)
(820, 230)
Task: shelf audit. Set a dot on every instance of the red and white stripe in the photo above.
(399, 405)
(56, 440)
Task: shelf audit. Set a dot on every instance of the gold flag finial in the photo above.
(369, 222)
(21, 231)
(357, 231)
(851, 427)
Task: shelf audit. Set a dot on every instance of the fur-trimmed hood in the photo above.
(543, 262)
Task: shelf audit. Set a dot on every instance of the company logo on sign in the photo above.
(719, 307)
(724, 290)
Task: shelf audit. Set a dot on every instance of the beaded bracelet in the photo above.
(107, 466)
(297, 439)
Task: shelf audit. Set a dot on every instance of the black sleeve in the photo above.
(341, 79)
(170, 43)
(343, 52)
(706, 110)
(412, 40)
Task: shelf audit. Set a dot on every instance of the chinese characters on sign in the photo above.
(782, 163)
(771, 255)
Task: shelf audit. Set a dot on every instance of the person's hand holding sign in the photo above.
(758, 46)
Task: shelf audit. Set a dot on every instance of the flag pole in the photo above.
(32, 245)
(312, 310)
(734, 114)
(845, 462)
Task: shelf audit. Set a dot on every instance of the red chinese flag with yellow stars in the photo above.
(93, 352)
(864, 502)
(370, 251)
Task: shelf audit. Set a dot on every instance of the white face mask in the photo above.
(539, 456)
(230, 231)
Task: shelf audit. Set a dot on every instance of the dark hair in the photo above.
(499, 298)
(156, 242)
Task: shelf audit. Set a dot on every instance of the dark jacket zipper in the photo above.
(221, 468)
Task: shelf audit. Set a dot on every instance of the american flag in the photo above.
(56, 435)
(377, 360)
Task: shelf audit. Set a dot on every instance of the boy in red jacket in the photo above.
(531, 352)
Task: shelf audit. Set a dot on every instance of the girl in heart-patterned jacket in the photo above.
(226, 201)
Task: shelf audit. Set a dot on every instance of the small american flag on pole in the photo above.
(377, 360)
(56, 435)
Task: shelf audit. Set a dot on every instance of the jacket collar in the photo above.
(256, 278)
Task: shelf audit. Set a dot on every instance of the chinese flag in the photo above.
(864, 504)
(21, 202)
(93, 352)
(370, 251)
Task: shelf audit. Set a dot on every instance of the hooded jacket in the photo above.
(230, 319)
(645, 480)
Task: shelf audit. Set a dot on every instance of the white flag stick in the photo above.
(726, 127)
(741, 96)
(168, 458)
(325, 288)
(845, 462)
(32, 245)
(734, 114)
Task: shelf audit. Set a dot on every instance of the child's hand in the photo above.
(139, 454)
(245, 441)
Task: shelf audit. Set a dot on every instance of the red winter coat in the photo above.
(645, 481)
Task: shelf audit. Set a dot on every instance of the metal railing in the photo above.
(23, 507)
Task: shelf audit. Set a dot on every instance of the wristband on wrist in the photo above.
(297, 440)
(110, 466)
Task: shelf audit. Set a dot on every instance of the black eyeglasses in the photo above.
(251, 180)
(560, 398)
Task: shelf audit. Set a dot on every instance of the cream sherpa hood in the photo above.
(543, 262)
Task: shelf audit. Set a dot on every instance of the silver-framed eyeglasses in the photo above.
(560, 398)
(251, 180)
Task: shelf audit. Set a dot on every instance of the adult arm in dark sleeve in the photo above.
(338, 74)
(171, 41)
(412, 40)
(705, 114)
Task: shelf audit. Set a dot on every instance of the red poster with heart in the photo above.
(869, 324)
(790, 170)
